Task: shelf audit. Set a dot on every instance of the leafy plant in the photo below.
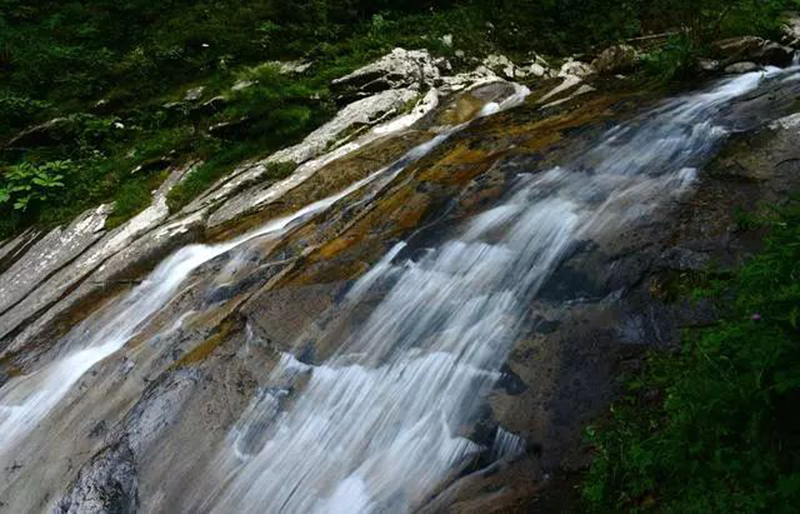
(27, 183)
(713, 427)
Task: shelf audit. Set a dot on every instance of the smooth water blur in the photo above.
(26, 400)
(382, 424)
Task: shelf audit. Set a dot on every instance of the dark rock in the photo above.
(107, 484)
(752, 49)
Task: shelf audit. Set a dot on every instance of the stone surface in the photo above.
(616, 59)
(399, 69)
(106, 485)
(574, 68)
(742, 67)
(753, 49)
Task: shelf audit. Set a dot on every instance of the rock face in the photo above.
(616, 59)
(399, 69)
(752, 49)
(106, 485)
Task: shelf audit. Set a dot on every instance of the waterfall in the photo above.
(26, 400)
(380, 425)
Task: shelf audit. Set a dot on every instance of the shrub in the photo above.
(27, 184)
(714, 427)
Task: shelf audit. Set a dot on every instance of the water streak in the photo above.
(382, 423)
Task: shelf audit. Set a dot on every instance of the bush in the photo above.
(26, 184)
(714, 427)
(677, 60)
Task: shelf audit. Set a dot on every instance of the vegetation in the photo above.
(115, 75)
(714, 427)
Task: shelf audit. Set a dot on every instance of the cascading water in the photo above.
(26, 400)
(379, 426)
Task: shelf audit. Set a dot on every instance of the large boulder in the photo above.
(752, 49)
(791, 30)
(397, 70)
(616, 59)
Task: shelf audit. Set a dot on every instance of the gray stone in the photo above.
(107, 484)
(399, 69)
(616, 59)
(742, 67)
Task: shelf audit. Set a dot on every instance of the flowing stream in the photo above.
(383, 422)
(380, 425)
(26, 400)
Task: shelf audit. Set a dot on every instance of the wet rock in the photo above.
(399, 69)
(49, 255)
(742, 67)
(108, 484)
(684, 259)
(616, 59)
(752, 49)
(54, 274)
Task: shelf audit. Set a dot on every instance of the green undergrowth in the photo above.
(118, 72)
(714, 427)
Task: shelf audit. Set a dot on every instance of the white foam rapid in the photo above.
(383, 423)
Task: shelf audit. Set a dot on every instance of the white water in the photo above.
(26, 400)
(381, 424)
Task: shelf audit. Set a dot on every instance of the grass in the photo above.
(714, 427)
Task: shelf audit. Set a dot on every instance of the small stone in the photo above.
(708, 65)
